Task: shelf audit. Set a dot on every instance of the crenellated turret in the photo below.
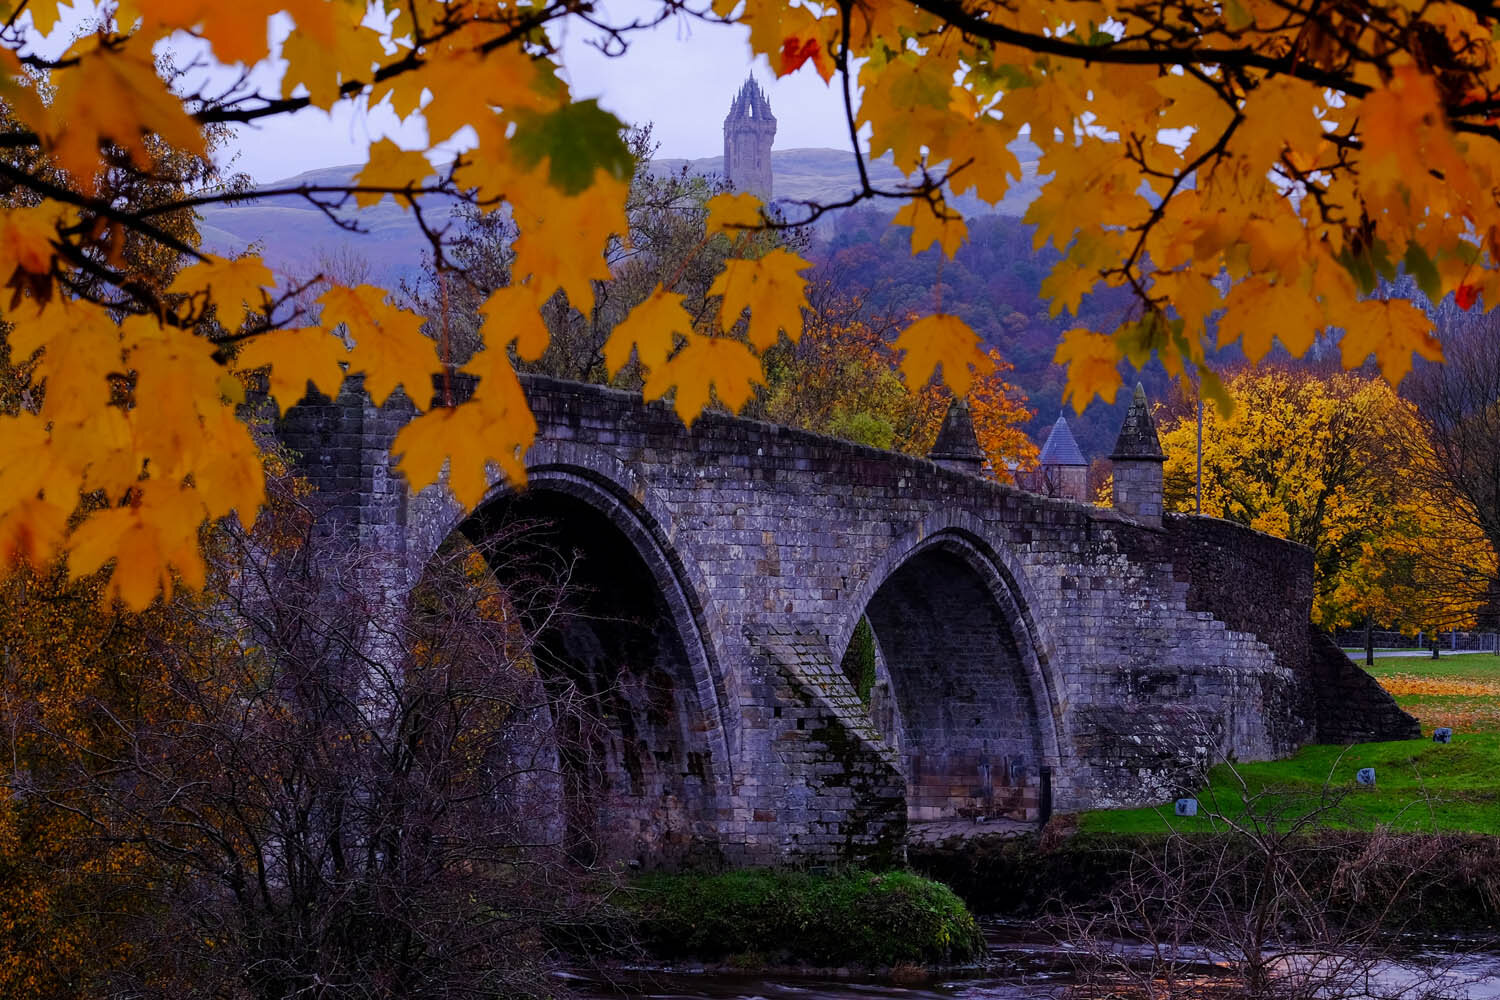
(749, 129)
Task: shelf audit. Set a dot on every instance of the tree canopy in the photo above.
(1247, 170)
(1331, 463)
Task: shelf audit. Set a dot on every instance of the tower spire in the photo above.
(749, 129)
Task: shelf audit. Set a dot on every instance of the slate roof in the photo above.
(1138, 438)
(956, 438)
(1061, 448)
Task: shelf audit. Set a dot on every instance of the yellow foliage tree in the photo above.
(843, 378)
(1324, 461)
(66, 666)
(1296, 151)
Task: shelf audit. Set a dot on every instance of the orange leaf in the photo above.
(942, 340)
(1093, 366)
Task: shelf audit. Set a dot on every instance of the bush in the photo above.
(850, 918)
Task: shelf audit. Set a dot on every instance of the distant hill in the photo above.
(829, 175)
(295, 236)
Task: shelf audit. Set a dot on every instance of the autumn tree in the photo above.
(1459, 406)
(1249, 168)
(667, 243)
(843, 378)
(65, 914)
(1325, 461)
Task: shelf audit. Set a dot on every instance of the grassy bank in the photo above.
(1421, 786)
(758, 917)
(1461, 692)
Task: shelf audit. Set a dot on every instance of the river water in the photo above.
(1027, 966)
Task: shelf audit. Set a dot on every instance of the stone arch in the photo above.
(970, 670)
(639, 649)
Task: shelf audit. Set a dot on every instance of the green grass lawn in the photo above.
(1421, 786)
(1480, 666)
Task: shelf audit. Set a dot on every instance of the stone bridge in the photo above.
(1032, 654)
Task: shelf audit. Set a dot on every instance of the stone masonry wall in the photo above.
(1110, 664)
(1350, 705)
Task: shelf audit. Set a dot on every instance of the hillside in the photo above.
(993, 284)
(828, 175)
(295, 236)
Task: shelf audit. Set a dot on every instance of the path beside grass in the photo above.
(1421, 786)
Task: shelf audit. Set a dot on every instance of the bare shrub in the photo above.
(1271, 905)
(337, 795)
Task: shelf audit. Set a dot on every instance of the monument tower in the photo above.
(748, 130)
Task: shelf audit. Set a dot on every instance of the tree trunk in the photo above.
(1369, 641)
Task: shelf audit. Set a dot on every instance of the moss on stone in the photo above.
(859, 660)
(852, 917)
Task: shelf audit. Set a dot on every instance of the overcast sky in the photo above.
(680, 77)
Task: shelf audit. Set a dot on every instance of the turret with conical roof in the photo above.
(1065, 472)
(1138, 460)
(957, 446)
(749, 129)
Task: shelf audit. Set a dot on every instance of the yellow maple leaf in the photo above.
(31, 467)
(236, 286)
(1392, 330)
(651, 329)
(82, 351)
(44, 14)
(31, 531)
(791, 37)
(1093, 366)
(495, 426)
(147, 539)
(509, 425)
(906, 102)
(985, 163)
(945, 340)
(104, 448)
(512, 316)
(390, 166)
(113, 93)
(1191, 293)
(324, 65)
(771, 287)
(389, 347)
(1257, 312)
(177, 384)
(462, 84)
(228, 474)
(733, 213)
(706, 366)
(424, 445)
(237, 31)
(932, 221)
(563, 237)
(295, 358)
(26, 237)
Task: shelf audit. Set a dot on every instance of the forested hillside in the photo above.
(994, 284)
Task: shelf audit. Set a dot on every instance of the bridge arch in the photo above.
(633, 644)
(972, 705)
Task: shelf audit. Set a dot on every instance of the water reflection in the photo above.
(1024, 966)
